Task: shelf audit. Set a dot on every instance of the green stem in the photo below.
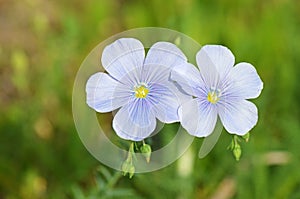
(236, 139)
(112, 181)
(130, 152)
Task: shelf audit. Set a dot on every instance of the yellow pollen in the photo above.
(141, 92)
(213, 97)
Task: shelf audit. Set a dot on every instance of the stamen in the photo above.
(213, 96)
(141, 91)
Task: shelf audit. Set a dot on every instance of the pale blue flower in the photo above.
(138, 85)
(219, 89)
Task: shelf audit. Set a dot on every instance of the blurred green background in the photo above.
(42, 44)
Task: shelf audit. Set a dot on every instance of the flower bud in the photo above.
(237, 151)
(247, 137)
(146, 151)
(126, 167)
(131, 171)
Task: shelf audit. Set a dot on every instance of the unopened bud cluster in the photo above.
(235, 147)
(127, 166)
(146, 151)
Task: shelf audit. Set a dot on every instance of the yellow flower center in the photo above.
(213, 97)
(141, 91)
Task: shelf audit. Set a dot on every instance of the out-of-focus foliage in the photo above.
(42, 44)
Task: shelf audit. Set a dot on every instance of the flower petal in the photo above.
(155, 74)
(198, 117)
(135, 120)
(238, 117)
(123, 56)
(166, 100)
(105, 94)
(213, 59)
(188, 78)
(246, 83)
(208, 71)
(165, 54)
